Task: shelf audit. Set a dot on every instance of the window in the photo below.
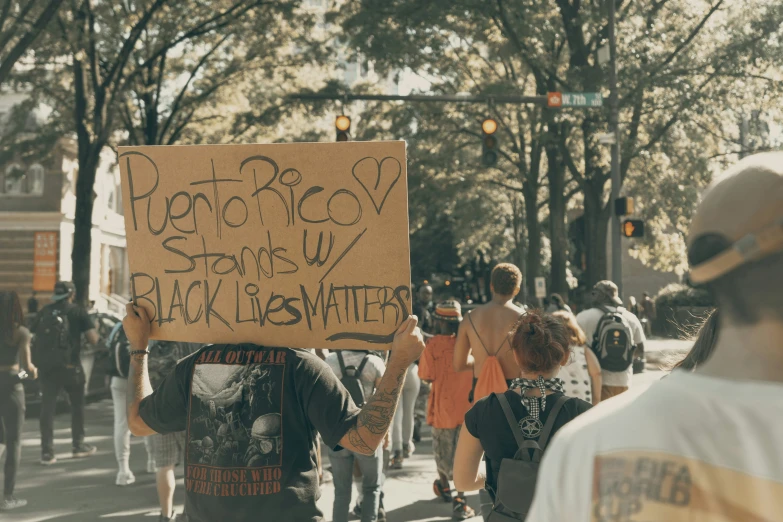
(14, 179)
(35, 180)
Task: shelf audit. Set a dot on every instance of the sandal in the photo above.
(461, 510)
(440, 491)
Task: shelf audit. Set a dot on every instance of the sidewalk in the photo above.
(83, 490)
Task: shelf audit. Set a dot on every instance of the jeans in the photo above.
(122, 434)
(12, 418)
(52, 381)
(402, 425)
(372, 480)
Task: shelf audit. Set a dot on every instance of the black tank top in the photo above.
(9, 351)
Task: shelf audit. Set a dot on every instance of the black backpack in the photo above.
(52, 346)
(119, 352)
(516, 480)
(350, 379)
(613, 341)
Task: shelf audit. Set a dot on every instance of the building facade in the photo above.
(37, 202)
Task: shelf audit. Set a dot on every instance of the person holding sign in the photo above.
(251, 415)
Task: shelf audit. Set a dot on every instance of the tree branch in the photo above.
(29, 37)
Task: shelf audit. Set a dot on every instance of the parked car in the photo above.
(95, 361)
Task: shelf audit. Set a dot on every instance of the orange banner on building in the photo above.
(45, 261)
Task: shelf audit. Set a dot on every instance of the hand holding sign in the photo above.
(270, 244)
(408, 342)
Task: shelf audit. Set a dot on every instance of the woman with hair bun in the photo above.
(541, 345)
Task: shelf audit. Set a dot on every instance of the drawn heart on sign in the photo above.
(377, 178)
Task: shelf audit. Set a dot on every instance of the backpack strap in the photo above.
(523, 444)
(543, 439)
(361, 366)
(342, 363)
(470, 319)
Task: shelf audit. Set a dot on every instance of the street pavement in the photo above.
(83, 490)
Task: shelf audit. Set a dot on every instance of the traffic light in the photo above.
(623, 206)
(633, 228)
(489, 142)
(343, 125)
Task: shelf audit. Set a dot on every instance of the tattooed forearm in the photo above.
(358, 442)
(377, 414)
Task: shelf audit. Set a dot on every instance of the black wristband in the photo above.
(139, 352)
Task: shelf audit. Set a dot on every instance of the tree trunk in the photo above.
(595, 234)
(533, 254)
(82, 229)
(89, 157)
(558, 234)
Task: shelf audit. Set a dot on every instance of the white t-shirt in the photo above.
(372, 371)
(588, 320)
(690, 448)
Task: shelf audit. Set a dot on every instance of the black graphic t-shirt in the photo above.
(487, 422)
(251, 415)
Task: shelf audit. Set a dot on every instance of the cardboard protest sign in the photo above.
(299, 245)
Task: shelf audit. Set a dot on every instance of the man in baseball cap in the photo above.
(617, 365)
(702, 445)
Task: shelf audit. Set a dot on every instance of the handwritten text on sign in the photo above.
(301, 245)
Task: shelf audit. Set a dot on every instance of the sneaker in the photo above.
(357, 510)
(408, 450)
(161, 518)
(12, 503)
(47, 459)
(151, 468)
(84, 450)
(396, 461)
(125, 478)
(461, 510)
(381, 515)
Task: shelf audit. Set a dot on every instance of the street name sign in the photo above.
(574, 99)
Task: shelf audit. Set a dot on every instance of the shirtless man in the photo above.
(485, 330)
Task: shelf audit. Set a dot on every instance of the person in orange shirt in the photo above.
(448, 401)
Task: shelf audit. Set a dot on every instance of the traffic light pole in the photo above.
(617, 253)
(448, 98)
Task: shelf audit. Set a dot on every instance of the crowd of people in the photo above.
(530, 407)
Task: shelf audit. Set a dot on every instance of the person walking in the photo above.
(32, 304)
(483, 345)
(119, 358)
(615, 335)
(274, 401)
(404, 418)
(422, 308)
(14, 359)
(715, 453)
(448, 402)
(556, 303)
(497, 424)
(581, 376)
(168, 449)
(56, 348)
(360, 372)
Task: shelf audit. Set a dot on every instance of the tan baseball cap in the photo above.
(744, 205)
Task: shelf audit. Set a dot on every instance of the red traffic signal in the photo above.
(633, 228)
